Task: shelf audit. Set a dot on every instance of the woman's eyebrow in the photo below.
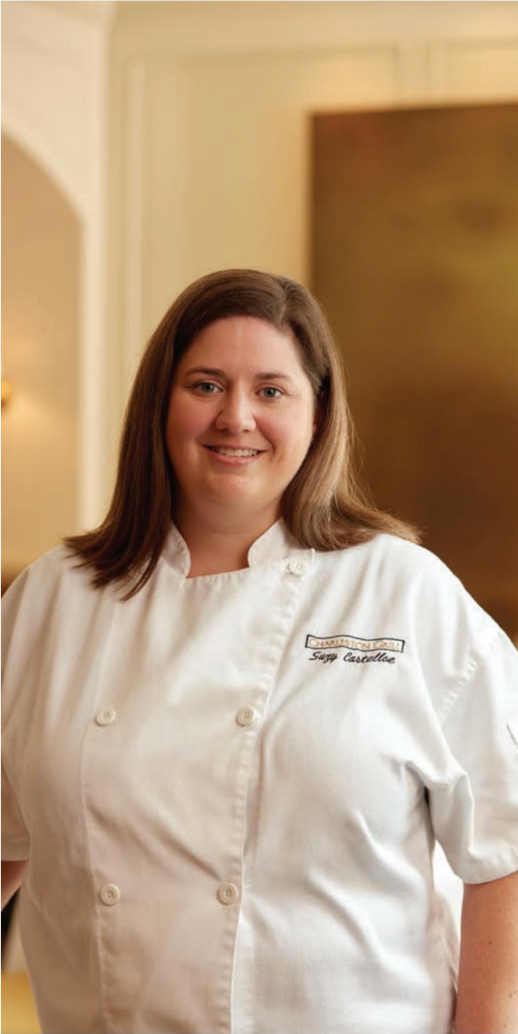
(213, 371)
(205, 369)
(274, 375)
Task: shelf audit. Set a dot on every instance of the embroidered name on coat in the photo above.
(359, 651)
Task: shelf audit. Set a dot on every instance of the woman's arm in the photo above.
(487, 1001)
(11, 879)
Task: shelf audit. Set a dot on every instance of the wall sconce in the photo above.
(7, 391)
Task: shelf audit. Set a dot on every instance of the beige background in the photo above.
(40, 345)
(179, 134)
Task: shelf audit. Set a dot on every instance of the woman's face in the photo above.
(241, 418)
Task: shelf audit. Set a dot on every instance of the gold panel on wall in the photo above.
(415, 261)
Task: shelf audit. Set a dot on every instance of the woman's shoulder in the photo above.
(51, 603)
(393, 555)
(54, 583)
(408, 579)
(413, 561)
(46, 572)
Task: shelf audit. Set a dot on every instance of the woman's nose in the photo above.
(236, 413)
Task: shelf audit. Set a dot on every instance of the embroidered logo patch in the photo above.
(358, 650)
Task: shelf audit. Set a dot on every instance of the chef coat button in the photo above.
(297, 567)
(110, 894)
(228, 893)
(105, 716)
(245, 716)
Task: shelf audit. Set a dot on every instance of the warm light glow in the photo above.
(7, 391)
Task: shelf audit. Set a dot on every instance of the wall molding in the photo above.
(68, 69)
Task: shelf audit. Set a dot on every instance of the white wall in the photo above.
(211, 119)
(55, 107)
(41, 250)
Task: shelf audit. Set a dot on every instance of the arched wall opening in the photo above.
(41, 259)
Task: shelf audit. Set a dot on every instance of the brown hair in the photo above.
(323, 507)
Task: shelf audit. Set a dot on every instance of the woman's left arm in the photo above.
(487, 1000)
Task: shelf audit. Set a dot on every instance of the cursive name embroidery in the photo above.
(326, 658)
(353, 658)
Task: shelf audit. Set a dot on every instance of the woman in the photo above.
(232, 740)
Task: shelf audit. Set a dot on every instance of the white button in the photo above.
(110, 894)
(106, 716)
(228, 893)
(245, 716)
(297, 567)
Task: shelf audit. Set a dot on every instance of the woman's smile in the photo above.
(232, 456)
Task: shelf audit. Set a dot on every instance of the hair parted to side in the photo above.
(323, 507)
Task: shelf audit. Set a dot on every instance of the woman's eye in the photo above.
(272, 393)
(206, 387)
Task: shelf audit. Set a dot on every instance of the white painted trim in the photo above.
(15, 126)
(444, 53)
(46, 33)
(245, 26)
(133, 218)
(94, 359)
(413, 69)
(417, 60)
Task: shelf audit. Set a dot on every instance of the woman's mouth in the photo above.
(234, 457)
(224, 450)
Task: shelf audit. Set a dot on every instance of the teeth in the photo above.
(234, 452)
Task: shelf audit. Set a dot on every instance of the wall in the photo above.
(41, 247)
(211, 106)
(202, 160)
(55, 107)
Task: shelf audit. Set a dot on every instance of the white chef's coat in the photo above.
(229, 788)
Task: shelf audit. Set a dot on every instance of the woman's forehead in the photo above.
(243, 343)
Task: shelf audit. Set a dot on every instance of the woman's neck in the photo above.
(214, 546)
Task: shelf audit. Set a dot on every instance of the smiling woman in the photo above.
(238, 438)
(213, 832)
(252, 319)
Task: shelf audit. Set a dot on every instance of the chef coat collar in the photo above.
(276, 543)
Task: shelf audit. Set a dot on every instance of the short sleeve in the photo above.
(475, 813)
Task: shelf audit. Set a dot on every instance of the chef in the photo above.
(240, 713)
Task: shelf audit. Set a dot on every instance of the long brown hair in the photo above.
(323, 507)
